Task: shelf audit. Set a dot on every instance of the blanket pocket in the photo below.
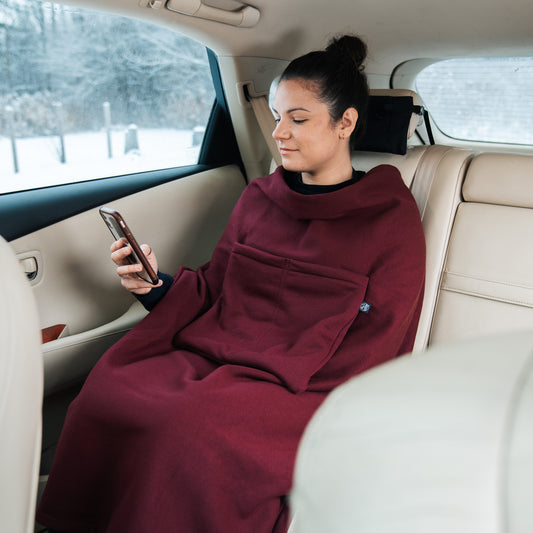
(280, 315)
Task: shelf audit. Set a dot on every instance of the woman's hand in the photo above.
(128, 272)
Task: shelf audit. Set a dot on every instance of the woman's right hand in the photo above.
(128, 272)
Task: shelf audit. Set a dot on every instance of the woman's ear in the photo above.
(348, 122)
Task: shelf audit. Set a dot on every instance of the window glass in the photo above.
(86, 95)
(481, 99)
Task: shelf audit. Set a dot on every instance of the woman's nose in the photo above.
(280, 131)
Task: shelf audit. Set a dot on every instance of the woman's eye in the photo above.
(299, 121)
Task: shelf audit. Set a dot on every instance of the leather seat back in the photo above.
(487, 278)
(439, 442)
(21, 393)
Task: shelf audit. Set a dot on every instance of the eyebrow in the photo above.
(293, 109)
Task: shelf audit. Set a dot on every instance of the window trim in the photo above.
(219, 145)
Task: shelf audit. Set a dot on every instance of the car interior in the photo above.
(441, 438)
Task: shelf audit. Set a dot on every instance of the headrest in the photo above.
(438, 442)
(501, 179)
(393, 116)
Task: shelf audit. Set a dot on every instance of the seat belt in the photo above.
(266, 122)
(427, 123)
(423, 112)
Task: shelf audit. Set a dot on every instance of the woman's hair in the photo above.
(337, 74)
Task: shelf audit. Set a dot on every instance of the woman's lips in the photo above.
(284, 151)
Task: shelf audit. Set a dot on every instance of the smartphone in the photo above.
(119, 229)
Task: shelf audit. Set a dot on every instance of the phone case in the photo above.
(120, 230)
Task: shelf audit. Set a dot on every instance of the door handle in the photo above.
(31, 265)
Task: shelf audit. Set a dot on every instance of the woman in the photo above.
(191, 422)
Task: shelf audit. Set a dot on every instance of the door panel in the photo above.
(24, 212)
(76, 282)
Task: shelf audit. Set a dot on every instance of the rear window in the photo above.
(481, 99)
(86, 95)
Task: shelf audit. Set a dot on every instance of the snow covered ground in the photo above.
(87, 157)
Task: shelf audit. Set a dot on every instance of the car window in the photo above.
(86, 95)
(481, 99)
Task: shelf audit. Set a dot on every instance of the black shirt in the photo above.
(295, 182)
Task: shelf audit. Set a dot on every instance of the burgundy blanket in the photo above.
(191, 422)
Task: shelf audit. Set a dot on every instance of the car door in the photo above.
(49, 214)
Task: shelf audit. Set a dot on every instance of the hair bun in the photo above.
(350, 47)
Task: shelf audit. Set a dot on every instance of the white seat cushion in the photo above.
(439, 442)
(21, 392)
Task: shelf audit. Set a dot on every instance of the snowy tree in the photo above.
(52, 53)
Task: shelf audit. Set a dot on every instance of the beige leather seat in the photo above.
(21, 391)
(486, 284)
(439, 443)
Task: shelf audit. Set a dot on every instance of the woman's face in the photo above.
(307, 138)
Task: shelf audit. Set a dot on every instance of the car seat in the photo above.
(440, 442)
(21, 393)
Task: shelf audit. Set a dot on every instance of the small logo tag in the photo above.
(365, 307)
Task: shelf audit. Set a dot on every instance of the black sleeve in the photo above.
(151, 299)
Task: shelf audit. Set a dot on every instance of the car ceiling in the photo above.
(395, 31)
